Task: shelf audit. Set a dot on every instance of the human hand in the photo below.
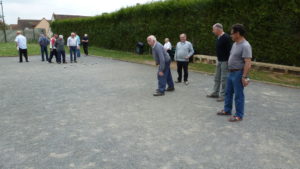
(245, 82)
(160, 73)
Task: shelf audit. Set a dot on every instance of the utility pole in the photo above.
(4, 26)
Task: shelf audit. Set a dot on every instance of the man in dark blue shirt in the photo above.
(44, 42)
(223, 47)
(85, 44)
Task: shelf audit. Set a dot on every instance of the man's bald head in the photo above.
(151, 40)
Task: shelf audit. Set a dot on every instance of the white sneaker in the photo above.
(186, 83)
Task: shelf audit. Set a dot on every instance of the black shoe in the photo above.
(20, 61)
(212, 96)
(170, 89)
(158, 94)
(27, 60)
(177, 81)
(75, 61)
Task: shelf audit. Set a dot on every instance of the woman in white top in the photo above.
(168, 48)
(168, 45)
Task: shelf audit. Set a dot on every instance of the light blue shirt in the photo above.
(78, 39)
(21, 41)
(183, 50)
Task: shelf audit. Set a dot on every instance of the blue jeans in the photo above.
(73, 52)
(235, 87)
(44, 50)
(165, 79)
(78, 52)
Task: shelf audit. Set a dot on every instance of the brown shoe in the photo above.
(235, 119)
(223, 113)
(220, 99)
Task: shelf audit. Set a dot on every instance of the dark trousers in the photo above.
(85, 49)
(165, 79)
(170, 52)
(44, 51)
(61, 56)
(53, 52)
(184, 66)
(73, 53)
(23, 52)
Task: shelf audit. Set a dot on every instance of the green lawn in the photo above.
(9, 49)
(277, 78)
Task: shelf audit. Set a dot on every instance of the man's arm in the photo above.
(247, 67)
(247, 55)
(161, 58)
(175, 55)
(228, 45)
(68, 43)
(191, 51)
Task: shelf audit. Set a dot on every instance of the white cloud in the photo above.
(38, 9)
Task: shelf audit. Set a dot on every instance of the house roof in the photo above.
(62, 16)
(14, 26)
(27, 23)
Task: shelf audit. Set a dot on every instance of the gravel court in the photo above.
(100, 113)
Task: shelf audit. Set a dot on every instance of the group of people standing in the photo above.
(57, 47)
(231, 77)
(233, 66)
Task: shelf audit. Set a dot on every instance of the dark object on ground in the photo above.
(139, 48)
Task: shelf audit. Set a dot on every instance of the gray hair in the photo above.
(61, 36)
(152, 37)
(218, 25)
(184, 34)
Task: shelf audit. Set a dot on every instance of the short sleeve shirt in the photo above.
(21, 41)
(239, 52)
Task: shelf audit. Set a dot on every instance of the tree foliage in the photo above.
(273, 26)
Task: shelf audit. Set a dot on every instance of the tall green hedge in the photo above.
(273, 26)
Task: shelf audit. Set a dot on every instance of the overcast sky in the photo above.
(37, 9)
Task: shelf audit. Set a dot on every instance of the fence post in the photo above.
(4, 27)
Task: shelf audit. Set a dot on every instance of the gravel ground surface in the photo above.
(100, 113)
